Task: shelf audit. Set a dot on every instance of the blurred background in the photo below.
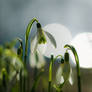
(15, 15)
(74, 14)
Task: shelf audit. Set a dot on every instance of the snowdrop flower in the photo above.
(64, 72)
(38, 46)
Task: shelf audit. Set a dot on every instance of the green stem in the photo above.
(35, 73)
(50, 70)
(33, 89)
(57, 57)
(26, 46)
(49, 87)
(21, 80)
(77, 65)
(27, 35)
(20, 54)
(4, 81)
(50, 73)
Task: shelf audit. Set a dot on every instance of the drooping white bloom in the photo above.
(64, 72)
(38, 47)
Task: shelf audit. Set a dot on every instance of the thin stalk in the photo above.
(77, 65)
(4, 81)
(35, 73)
(26, 46)
(57, 57)
(20, 54)
(21, 81)
(50, 73)
(27, 36)
(50, 70)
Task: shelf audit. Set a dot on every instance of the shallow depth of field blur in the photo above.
(76, 15)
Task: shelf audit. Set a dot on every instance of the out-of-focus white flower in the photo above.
(62, 36)
(37, 60)
(83, 44)
(38, 46)
(64, 72)
(13, 59)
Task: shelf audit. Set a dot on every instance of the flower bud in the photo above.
(19, 51)
(62, 61)
(66, 56)
(38, 25)
(41, 36)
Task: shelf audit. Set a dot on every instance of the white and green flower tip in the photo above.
(38, 46)
(64, 72)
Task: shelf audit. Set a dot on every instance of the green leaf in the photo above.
(51, 38)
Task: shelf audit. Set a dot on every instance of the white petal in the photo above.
(62, 80)
(34, 43)
(42, 48)
(32, 60)
(51, 38)
(41, 61)
(71, 77)
(16, 63)
(66, 70)
(59, 77)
